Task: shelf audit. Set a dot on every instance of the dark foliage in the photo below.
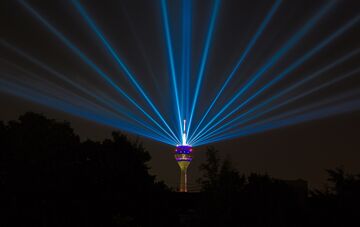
(231, 199)
(338, 205)
(48, 177)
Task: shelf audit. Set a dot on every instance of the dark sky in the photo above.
(134, 29)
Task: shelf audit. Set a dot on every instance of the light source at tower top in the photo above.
(184, 136)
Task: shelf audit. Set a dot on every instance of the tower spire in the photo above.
(184, 137)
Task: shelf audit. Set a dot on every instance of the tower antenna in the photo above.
(184, 137)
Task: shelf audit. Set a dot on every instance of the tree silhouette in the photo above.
(231, 199)
(210, 169)
(50, 178)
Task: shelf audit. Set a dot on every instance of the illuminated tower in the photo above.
(183, 158)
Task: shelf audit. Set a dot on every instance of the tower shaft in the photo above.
(183, 175)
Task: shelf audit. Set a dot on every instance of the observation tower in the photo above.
(183, 158)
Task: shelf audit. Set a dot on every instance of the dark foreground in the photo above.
(48, 177)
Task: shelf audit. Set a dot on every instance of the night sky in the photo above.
(134, 28)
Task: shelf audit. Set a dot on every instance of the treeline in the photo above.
(233, 199)
(48, 177)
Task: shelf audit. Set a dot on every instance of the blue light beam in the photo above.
(293, 66)
(186, 56)
(273, 123)
(118, 108)
(286, 47)
(235, 122)
(92, 65)
(118, 60)
(241, 60)
(91, 114)
(286, 90)
(51, 89)
(171, 61)
(293, 87)
(203, 60)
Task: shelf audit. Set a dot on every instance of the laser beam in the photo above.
(186, 56)
(56, 103)
(293, 66)
(93, 66)
(283, 120)
(234, 122)
(241, 60)
(171, 60)
(204, 60)
(286, 47)
(117, 58)
(78, 87)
